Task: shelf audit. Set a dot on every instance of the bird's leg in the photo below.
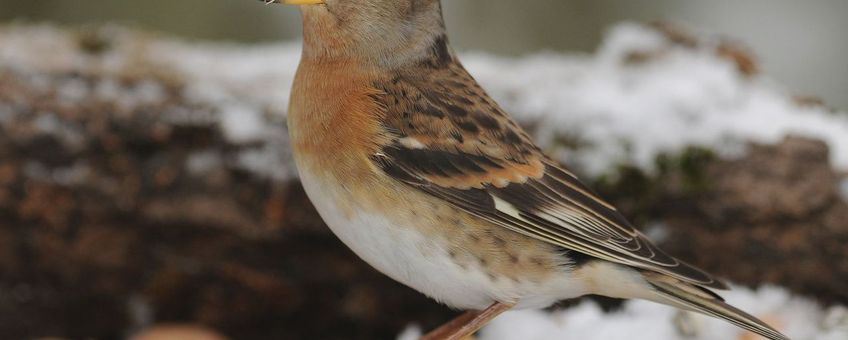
(467, 323)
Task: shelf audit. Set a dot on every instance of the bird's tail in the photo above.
(686, 296)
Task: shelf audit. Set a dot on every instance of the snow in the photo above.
(242, 123)
(798, 318)
(618, 111)
(630, 112)
(203, 162)
(218, 73)
(621, 113)
(843, 189)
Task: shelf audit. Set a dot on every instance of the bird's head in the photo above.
(386, 32)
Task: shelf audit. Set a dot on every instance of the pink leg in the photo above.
(467, 323)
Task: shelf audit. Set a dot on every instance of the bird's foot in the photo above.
(466, 324)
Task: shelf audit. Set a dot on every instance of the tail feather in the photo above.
(693, 298)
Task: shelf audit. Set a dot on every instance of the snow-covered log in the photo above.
(147, 180)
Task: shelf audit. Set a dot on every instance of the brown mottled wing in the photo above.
(446, 137)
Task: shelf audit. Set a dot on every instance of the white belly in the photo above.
(407, 256)
(400, 252)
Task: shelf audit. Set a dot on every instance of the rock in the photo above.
(791, 181)
(774, 216)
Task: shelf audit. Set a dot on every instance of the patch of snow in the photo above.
(836, 319)
(203, 162)
(140, 312)
(189, 117)
(273, 159)
(629, 38)
(410, 333)
(148, 92)
(797, 317)
(217, 73)
(72, 91)
(624, 113)
(628, 113)
(843, 188)
(242, 123)
(132, 96)
(107, 90)
(7, 113)
(69, 135)
(72, 175)
(618, 110)
(657, 232)
(68, 175)
(47, 123)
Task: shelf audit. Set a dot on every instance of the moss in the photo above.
(640, 193)
(690, 165)
(93, 41)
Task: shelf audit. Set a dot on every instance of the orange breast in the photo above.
(333, 118)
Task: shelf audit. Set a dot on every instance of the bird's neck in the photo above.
(326, 40)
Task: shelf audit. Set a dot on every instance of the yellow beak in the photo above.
(303, 2)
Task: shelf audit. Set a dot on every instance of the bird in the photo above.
(417, 170)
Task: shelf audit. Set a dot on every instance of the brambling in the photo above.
(416, 169)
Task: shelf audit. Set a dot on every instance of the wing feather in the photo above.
(470, 154)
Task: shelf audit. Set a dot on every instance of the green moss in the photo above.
(93, 40)
(690, 165)
(640, 193)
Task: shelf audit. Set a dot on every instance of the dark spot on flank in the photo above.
(456, 110)
(441, 56)
(511, 137)
(483, 261)
(577, 258)
(437, 162)
(491, 276)
(498, 241)
(455, 84)
(395, 171)
(486, 121)
(452, 254)
(458, 136)
(537, 261)
(463, 100)
(432, 111)
(512, 258)
(468, 126)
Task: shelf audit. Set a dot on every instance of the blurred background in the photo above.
(146, 186)
(801, 44)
